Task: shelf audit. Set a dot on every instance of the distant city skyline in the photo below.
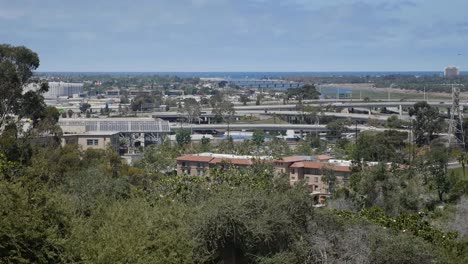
(241, 35)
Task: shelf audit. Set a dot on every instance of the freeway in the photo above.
(296, 127)
(440, 104)
(242, 113)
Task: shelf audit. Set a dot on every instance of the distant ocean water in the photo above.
(252, 75)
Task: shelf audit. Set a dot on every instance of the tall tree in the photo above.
(258, 137)
(244, 99)
(191, 109)
(183, 137)
(462, 159)
(427, 122)
(224, 111)
(437, 165)
(16, 69)
(305, 92)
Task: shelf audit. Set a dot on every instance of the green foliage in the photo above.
(244, 99)
(249, 225)
(160, 158)
(33, 227)
(258, 137)
(437, 166)
(205, 144)
(426, 124)
(84, 107)
(396, 191)
(132, 231)
(395, 122)
(16, 69)
(183, 137)
(416, 224)
(306, 92)
(192, 109)
(336, 128)
(385, 146)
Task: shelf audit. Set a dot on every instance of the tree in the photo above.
(395, 122)
(244, 99)
(463, 159)
(384, 146)
(205, 143)
(258, 137)
(437, 165)
(183, 137)
(141, 103)
(329, 178)
(225, 111)
(336, 128)
(70, 113)
(192, 109)
(16, 69)
(427, 122)
(84, 107)
(305, 92)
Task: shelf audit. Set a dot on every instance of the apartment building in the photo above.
(308, 169)
(312, 173)
(199, 164)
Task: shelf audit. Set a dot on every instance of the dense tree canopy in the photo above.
(427, 122)
(16, 69)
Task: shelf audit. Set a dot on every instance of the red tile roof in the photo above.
(232, 161)
(324, 157)
(195, 158)
(319, 165)
(291, 159)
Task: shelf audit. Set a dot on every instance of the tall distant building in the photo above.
(451, 71)
(62, 89)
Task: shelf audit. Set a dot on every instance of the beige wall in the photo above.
(314, 179)
(192, 168)
(103, 142)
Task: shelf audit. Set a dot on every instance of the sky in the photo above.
(239, 35)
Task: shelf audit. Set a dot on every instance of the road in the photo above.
(242, 113)
(296, 127)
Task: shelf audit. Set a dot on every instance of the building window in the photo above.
(316, 179)
(183, 164)
(294, 171)
(92, 142)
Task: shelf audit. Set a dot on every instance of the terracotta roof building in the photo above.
(308, 169)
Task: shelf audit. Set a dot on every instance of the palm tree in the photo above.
(463, 159)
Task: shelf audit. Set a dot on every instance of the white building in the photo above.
(62, 89)
(451, 71)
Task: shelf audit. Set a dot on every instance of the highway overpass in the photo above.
(274, 127)
(241, 113)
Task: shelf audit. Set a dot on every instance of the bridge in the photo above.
(207, 115)
(273, 127)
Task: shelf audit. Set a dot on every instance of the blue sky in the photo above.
(239, 35)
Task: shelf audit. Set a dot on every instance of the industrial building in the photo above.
(62, 89)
